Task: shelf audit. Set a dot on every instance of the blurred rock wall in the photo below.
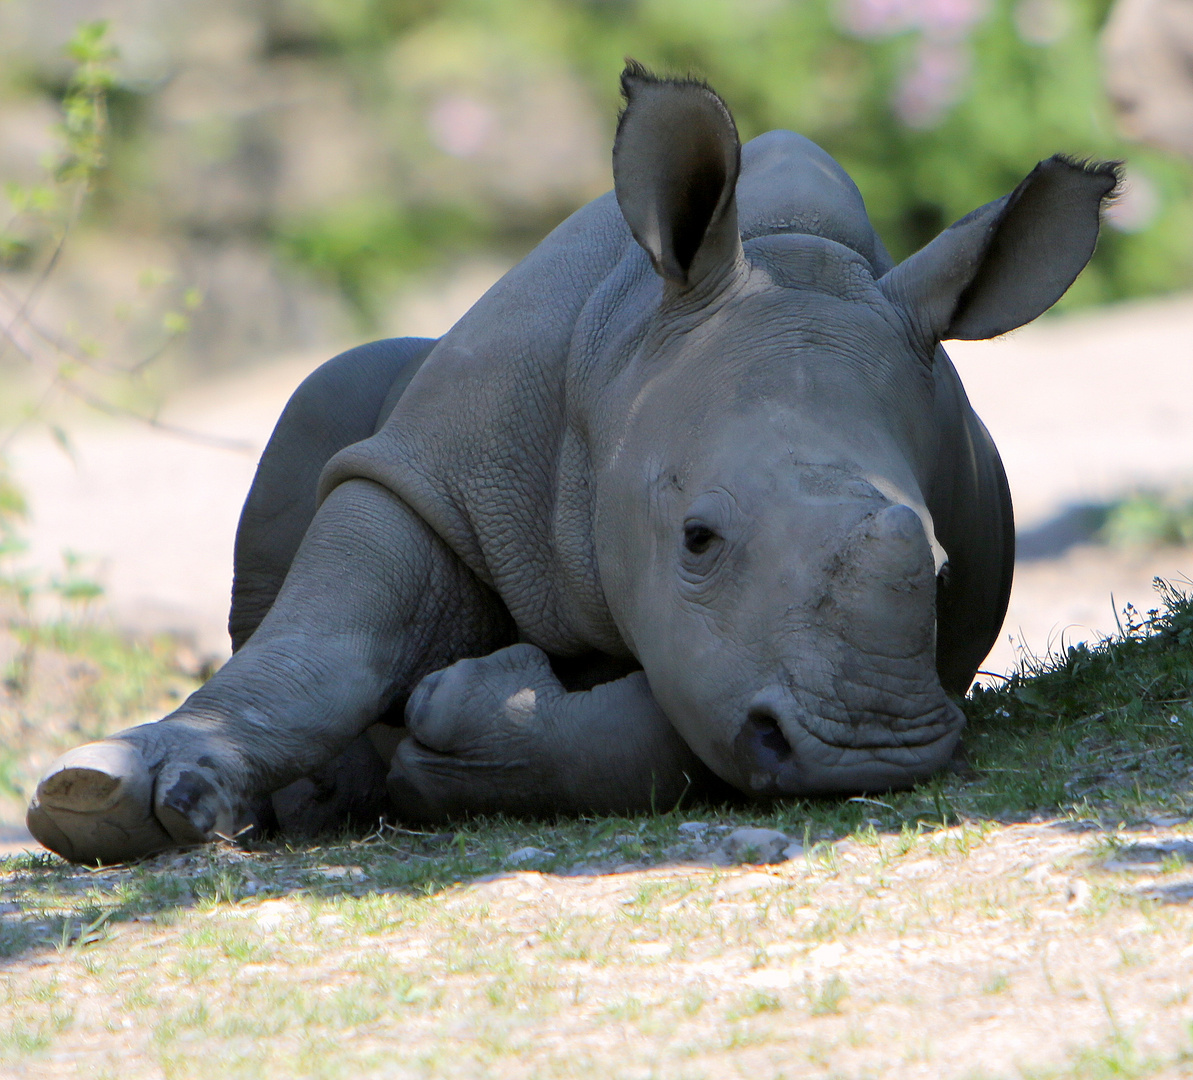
(1148, 49)
(238, 123)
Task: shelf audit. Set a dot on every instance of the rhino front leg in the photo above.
(501, 734)
(373, 602)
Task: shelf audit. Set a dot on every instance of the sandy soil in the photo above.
(1028, 950)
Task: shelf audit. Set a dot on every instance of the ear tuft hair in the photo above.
(636, 74)
(1107, 170)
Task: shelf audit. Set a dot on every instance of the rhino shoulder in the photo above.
(477, 444)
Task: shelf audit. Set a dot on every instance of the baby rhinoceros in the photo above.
(693, 492)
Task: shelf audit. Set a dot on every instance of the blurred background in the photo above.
(299, 162)
(200, 202)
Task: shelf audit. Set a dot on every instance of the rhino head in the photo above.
(771, 439)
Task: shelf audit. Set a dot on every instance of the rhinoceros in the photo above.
(692, 496)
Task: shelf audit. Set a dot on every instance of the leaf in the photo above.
(175, 323)
(1030, 696)
(63, 440)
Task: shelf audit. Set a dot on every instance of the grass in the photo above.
(72, 681)
(415, 953)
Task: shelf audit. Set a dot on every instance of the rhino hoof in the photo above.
(189, 810)
(96, 805)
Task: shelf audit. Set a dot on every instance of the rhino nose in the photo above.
(761, 748)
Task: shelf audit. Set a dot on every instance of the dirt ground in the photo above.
(1034, 950)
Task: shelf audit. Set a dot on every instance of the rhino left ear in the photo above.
(1010, 260)
(675, 164)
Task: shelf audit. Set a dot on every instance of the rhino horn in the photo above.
(890, 584)
(1010, 260)
(676, 160)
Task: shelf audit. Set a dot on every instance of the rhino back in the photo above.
(788, 184)
(970, 503)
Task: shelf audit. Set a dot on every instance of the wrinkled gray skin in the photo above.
(692, 493)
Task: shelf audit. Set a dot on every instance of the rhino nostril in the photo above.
(765, 734)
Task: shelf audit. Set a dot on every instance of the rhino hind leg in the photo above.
(342, 402)
(329, 657)
(501, 734)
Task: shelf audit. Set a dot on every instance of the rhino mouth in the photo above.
(799, 753)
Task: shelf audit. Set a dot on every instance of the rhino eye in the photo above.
(697, 537)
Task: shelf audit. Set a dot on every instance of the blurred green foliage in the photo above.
(1149, 518)
(84, 105)
(46, 210)
(363, 244)
(933, 106)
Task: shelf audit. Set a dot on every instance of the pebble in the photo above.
(693, 828)
(1077, 893)
(1167, 821)
(337, 873)
(759, 846)
(527, 854)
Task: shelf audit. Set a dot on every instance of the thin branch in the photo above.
(219, 442)
(240, 446)
(47, 270)
(63, 345)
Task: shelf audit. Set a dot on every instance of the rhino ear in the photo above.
(675, 164)
(1009, 260)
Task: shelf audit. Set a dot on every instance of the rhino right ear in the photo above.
(675, 164)
(1009, 260)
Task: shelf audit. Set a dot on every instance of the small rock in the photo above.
(757, 845)
(526, 855)
(695, 829)
(793, 851)
(338, 873)
(1180, 892)
(1166, 821)
(1077, 893)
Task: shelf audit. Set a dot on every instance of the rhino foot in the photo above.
(115, 801)
(479, 739)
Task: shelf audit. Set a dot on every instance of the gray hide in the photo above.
(691, 496)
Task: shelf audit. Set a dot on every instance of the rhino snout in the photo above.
(783, 750)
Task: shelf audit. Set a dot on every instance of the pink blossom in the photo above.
(461, 126)
(934, 82)
(948, 20)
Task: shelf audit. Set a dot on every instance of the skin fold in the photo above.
(692, 499)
